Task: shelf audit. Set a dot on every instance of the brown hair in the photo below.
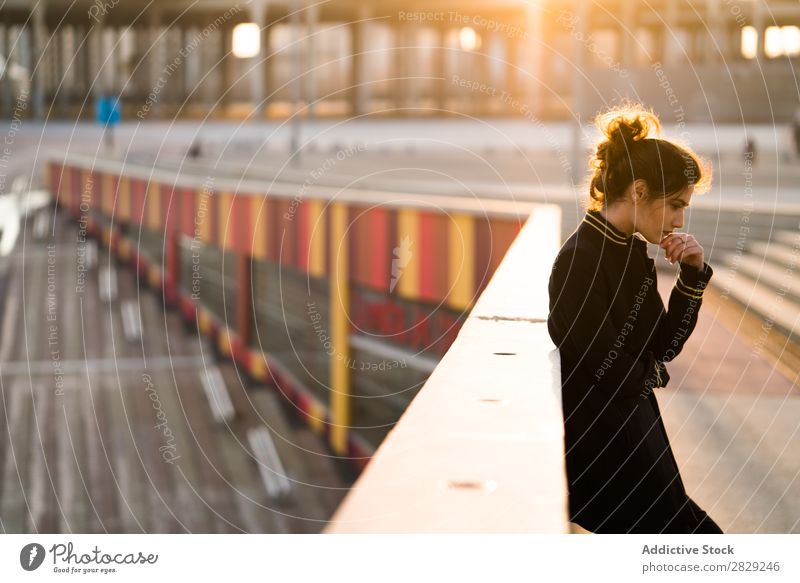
(627, 154)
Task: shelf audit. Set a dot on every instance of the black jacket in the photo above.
(609, 323)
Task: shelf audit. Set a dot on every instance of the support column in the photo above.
(483, 72)
(671, 29)
(400, 85)
(537, 72)
(258, 15)
(60, 83)
(96, 59)
(80, 64)
(441, 88)
(38, 67)
(716, 33)
(208, 63)
(182, 77)
(627, 31)
(511, 52)
(761, 30)
(410, 53)
(657, 50)
(266, 65)
(223, 94)
(578, 90)
(312, 18)
(141, 71)
(6, 88)
(359, 90)
(112, 69)
(735, 44)
(626, 49)
(86, 76)
(155, 61)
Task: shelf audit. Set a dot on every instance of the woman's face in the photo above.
(656, 218)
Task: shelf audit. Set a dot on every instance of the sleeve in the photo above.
(675, 327)
(579, 324)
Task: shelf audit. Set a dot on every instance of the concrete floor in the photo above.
(732, 412)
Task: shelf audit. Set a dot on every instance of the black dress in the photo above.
(609, 323)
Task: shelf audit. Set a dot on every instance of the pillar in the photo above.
(141, 71)
(258, 15)
(716, 39)
(410, 58)
(481, 66)
(113, 73)
(85, 69)
(59, 39)
(735, 44)
(5, 83)
(578, 93)
(96, 61)
(312, 18)
(210, 53)
(155, 60)
(188, 74)
(511, 53)
(359, 89)
(536, 76)
(38, 66)
(627, 30)
(266, 65)
(442, 85)
(758, 24)
(225, 64)
(81, 63)
(671, 46)
(398, 71)
(657, 50)
(626, 49)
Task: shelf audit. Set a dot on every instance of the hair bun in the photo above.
(627, 124)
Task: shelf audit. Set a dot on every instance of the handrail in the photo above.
(480, 448)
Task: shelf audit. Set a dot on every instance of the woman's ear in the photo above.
(639, 190)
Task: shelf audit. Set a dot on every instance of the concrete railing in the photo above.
(480, 449)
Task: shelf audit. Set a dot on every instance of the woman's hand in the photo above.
(682, 247)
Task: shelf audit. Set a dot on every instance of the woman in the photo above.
(614, 334)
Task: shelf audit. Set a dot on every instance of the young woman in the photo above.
(614, 334)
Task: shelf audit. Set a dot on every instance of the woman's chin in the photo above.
(650, 239)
